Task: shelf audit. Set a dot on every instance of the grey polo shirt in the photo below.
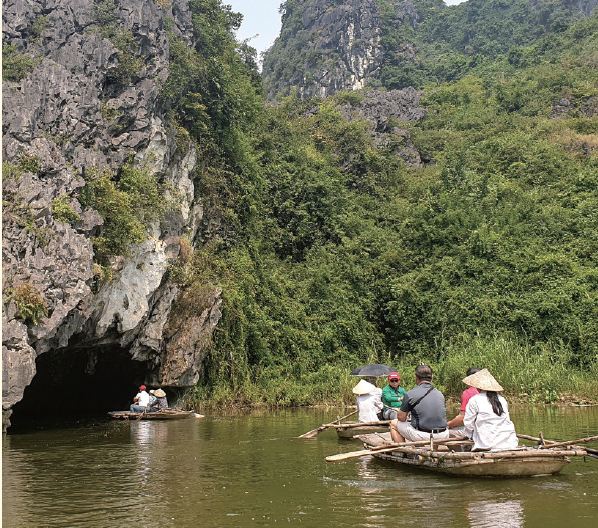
(429, 413)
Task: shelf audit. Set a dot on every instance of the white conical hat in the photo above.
(363, 387)
(483, 380)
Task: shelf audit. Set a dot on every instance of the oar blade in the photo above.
(346, 456)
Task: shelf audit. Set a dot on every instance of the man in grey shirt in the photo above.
(428, 411)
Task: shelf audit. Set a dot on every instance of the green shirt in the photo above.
(392, 397)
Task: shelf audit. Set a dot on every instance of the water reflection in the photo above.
(495, 514)
(251, 471)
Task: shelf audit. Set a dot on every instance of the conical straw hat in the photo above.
(483, 380)
(363, 387)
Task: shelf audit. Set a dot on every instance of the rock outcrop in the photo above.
(385, 111)
(71, 104)
(325, 47)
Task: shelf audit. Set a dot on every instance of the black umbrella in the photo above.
(373, 370)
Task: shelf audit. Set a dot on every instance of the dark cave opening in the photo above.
(75, 384)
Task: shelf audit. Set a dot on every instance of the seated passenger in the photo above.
(141, 401)
(428, 411)
(161, 402)
(455, 426)
(392, 396)
(369, 401)
(486, 419)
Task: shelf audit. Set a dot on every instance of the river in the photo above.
(250, 470)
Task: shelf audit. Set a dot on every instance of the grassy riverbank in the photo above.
(532, 373)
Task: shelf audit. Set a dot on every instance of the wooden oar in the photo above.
(552, 443)
(359, 424)
(571, 442)
(390, 448)
(314, 432)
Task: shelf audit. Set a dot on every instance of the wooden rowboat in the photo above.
(520, 462)
(354, 430)
(158, 415)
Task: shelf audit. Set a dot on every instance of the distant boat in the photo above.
(167, 414)
(521, 462)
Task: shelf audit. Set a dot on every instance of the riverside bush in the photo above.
(334, 254)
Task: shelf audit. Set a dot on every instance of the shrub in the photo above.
(31, 306)
(15, 65)
(62, 210)
(128, 204)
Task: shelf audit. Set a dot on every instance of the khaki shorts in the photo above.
(457, 432)
(409, 433)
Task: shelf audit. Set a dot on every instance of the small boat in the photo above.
(167, 414)
(355, 430)
(520, 462)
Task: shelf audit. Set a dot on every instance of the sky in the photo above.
(261, 18)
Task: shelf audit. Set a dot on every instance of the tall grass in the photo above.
(531, 372)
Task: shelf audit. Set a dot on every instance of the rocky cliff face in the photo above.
(325, 46)
(74, 102)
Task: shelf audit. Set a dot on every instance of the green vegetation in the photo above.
(129, 202)
(334, 254)
(106, 23)
(38, 27)
(28, 162)
(30, 304)
(62, 210)
(16, 66)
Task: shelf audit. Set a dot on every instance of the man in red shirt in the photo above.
(456, 424)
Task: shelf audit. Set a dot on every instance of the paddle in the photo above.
(360, 424)
(314, 432)
(552, 443)
(390, 448)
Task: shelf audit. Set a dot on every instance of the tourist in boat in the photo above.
(428, 411)
(392, 396)
(456, 424)
(369, 401)
(487, 421)
(141, 401)
(160, 402)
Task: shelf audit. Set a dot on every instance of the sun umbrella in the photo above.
(373, 370)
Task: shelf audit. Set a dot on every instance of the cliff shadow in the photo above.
(76, 384)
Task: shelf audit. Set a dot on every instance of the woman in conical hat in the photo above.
(487, 421)
(369, 401)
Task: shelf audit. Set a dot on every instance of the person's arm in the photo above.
(402, 416)
(469, 419)
(457, 421)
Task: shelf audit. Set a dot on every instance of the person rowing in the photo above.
(369, 401)
(456, 424)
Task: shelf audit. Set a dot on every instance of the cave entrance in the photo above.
(71, 384)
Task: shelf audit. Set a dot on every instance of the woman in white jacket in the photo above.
(487, 421)
(369, 401)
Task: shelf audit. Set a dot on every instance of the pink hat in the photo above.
(143, 387)
(394, 376)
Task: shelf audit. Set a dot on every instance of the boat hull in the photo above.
(515, 467)
(523, 462)
(171, 415)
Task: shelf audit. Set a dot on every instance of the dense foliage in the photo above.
(336, 254)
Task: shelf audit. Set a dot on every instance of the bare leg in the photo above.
(394, 432)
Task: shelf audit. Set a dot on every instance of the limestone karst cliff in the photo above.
(79, 100)
(327, 46)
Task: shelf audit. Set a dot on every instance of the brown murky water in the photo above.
(252, 471)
